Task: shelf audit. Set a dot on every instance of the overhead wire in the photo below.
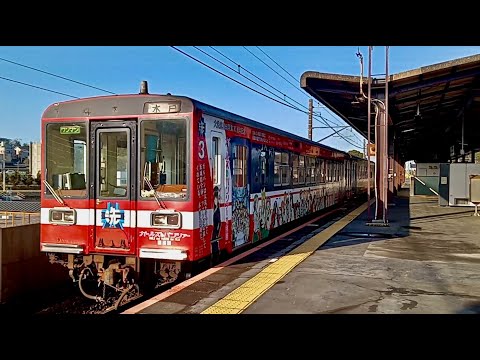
(250, 88)
(263, 62)
(38, 87)
(258, 47)
(263, 81)
(284, 102)
(315, 116)
(246, 77)
(284, 77)
(229, 77)
(55, 75)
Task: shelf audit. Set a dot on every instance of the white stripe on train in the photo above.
(190, 220)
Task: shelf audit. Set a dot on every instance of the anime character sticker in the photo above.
(217, 223)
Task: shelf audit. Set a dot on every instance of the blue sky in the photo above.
(120, 70)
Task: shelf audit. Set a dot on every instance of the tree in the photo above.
(477, 157)
(356, 153)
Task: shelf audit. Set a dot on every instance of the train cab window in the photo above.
(239, 166)
(281, 169)
(66, 158)
(164, 159)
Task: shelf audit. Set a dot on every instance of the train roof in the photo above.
(214, 111)
(72, 108)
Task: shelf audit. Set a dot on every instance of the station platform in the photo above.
(427, 261)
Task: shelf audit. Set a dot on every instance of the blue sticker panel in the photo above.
(113, 217)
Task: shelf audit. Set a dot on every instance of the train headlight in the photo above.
(63, 217)
(171, 220)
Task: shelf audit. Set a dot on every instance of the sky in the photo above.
(121, 69)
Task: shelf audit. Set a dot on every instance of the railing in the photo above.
(16, 218)
(20, 205)
(412, 186)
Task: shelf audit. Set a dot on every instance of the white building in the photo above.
(35, 159)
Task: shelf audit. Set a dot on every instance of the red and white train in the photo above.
(137, 188)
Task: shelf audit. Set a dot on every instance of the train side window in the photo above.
(281, 171)
(323, 171)
(240, 166)
(301, 169)
(327, 171)
(216, 161)
(286, 169)
(320, 171)
(295, 174)
(264, 167)
(310, 170)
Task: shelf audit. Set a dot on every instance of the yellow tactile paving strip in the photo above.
(242, 297)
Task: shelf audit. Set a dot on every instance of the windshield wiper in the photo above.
(154, 192)
(55, 195)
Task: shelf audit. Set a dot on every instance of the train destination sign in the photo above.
(69, 130)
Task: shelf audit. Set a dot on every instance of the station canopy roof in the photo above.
(426, 106)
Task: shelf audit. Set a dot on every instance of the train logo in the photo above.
(113, 217)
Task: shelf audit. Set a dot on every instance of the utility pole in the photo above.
(310, 118)
(2, 151)
(369, 116)
(387, 152)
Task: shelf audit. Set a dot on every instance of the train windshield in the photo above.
(163, 159)
(66, 158)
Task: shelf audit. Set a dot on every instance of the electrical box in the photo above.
(460, 183)
(475, 189)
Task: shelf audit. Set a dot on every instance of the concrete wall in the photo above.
(24, 270)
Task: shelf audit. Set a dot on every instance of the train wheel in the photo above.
(130, 293)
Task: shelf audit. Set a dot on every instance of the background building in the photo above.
(35, 158)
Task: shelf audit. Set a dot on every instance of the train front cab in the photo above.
(116, 195)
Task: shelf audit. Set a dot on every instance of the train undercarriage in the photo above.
(112, 281)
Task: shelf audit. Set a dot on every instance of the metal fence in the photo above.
(16, 218)
(14, 213)
(22, 206)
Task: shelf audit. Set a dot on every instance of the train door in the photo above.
(113, 185)
(240, 159)
(217, 162)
